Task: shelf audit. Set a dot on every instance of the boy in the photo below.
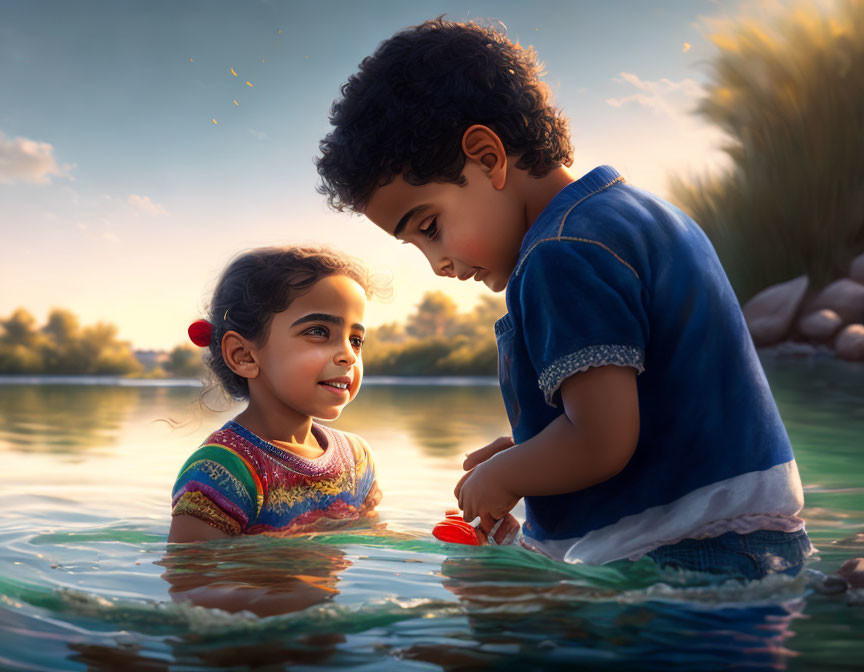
(642, 421)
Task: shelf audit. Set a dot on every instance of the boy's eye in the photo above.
(431, 229)
(317, 331)
(356, 342)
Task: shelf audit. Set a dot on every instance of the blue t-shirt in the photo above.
(611, 274)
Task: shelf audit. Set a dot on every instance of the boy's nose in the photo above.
(443, 267)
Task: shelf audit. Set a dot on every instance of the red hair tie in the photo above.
(200, 332)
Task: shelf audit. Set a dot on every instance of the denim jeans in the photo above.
(744, 556)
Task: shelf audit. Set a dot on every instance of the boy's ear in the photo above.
(480, 143)
(239, 355)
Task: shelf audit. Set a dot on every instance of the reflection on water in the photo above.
(267, 578)
(441, 420)
(53, 419)
(68, 419)
(86, 580)
(72, 419)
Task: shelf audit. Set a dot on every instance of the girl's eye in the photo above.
(317, 331)
(356, 342)
(431, 230)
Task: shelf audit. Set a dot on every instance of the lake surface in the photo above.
(86, 582)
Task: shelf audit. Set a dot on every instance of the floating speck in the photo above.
(686, 47)
(233, 73)
(235, 102)
(215, 123)
(191, 60)
(279, 31)
(248, 83)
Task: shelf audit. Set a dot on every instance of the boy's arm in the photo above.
(589, 443)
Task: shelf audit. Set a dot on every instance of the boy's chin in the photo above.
(495, 284)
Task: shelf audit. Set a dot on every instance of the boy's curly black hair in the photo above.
(406, 109)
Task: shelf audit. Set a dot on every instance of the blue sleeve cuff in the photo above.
(562, 368)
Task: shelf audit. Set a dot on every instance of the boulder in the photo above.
(850, 343)
(826, 585)
(769, 314)
(856, 271)
(845, 297)
(853, 571)
(820, 326)
(855, 598)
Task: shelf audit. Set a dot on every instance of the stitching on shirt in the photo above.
(578, 240)
(581, 240)
(570, 209)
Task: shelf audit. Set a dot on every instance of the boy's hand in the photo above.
(484, 453)
(482, 492)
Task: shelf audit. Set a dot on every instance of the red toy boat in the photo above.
(456, 531)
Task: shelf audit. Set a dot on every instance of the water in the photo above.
(86, 581)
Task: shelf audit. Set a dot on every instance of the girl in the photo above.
(284, 331)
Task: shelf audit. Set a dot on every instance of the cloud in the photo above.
(24, 160)
(656, 133)
(259, 135)
(144, 204)
(664, 96)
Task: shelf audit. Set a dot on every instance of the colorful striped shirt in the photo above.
(241, 484)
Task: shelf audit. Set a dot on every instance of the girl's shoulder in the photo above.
(220, 483)
(229, 449)
(358, 446)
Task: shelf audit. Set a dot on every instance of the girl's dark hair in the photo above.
(257, 285)
(406, 109)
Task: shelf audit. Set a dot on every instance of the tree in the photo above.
(432, 317)
(61, 327)
(185, 361)
(62, 346)
(19, 329)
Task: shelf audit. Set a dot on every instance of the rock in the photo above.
(856, 271)
(857, 540)
(850, 343)
(845, 297)
(820, 326)
(855, 598)
(794, 349)
(769, 314)
(826, 585)
(853, 571)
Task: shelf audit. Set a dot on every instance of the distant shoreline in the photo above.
(120, 381)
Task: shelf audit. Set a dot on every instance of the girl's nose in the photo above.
(345, 355)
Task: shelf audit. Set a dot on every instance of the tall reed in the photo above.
(790, 98)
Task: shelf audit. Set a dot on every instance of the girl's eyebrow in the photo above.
(326, 317)
(407, 218)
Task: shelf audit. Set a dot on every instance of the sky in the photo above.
(121, 199)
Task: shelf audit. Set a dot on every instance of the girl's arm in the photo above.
(589, 443)
(185, 528)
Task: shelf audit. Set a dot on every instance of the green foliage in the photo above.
(437, 340)
(185, 361)
(791, 101)
(62, 347)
